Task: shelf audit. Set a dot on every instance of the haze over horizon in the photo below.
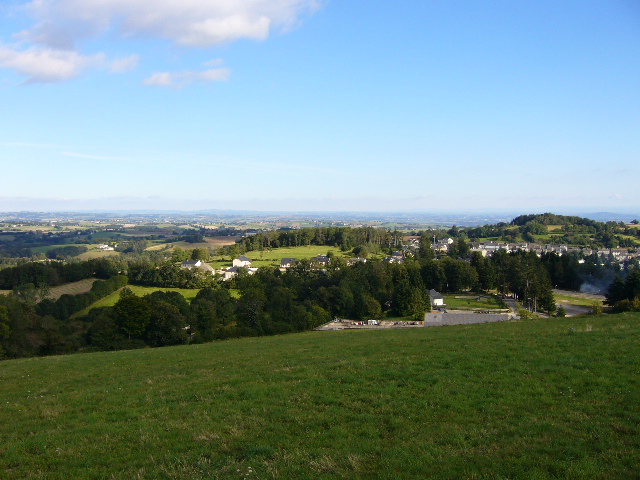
(320, 105)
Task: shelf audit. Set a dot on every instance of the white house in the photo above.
(320, 260)
(199, 264)
(189, 264)
(287, 262)
(241, 261)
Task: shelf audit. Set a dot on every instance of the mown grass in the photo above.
(46, 248)
(576, 300)
(72, 288)
(462, 302)
(110, 300)
(274, 256)
(533, 400)
(95, 253)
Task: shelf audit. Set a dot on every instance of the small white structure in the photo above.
(437, 300)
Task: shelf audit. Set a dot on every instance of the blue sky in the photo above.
(303, 105)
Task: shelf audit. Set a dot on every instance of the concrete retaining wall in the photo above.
(437, 319)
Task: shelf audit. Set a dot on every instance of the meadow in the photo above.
(273, 257)
(473, 302)
(72, 288)
(544, 399)
(110, 300)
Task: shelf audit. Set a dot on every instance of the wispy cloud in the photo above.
(49, 65)
(29, 145)
(124, 64)
(181, 79)
(96, 157)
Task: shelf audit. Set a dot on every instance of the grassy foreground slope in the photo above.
(556, 398)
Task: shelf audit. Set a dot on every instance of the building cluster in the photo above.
(318, 262)
(615, 254)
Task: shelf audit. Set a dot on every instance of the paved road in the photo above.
(513, 306)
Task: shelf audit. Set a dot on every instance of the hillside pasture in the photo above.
(209, 243)
(95, 253)
(543, 399)
(110, 300)
(46, 248)
(273, 256)
(73, 288)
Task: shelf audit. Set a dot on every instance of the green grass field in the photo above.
(274, 256)
(545, 399)
(95, 253)
(472, 302)
(110, 300)
(73, 288)
(576, 300)
(46, 248)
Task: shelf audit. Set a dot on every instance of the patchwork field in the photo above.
(544, 399)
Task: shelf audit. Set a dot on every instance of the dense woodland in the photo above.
(273, 302)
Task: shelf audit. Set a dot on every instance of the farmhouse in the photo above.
(229, 273)
(287, 262)
(241, 261)
(199, 264)
(320, 260)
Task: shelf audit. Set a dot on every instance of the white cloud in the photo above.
(49, 50)
(50, 65)
(202, 23)
(182, 79)
(124, 64)
(47, 64)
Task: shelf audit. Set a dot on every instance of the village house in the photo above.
(241, 261)
(231, 272)
(287, 262)
(199, 264)
(322, 260)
